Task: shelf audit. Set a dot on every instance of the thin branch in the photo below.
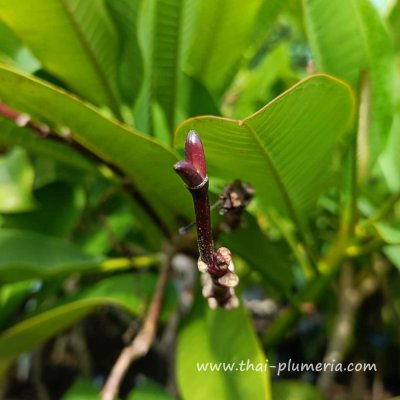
(24, 120)
(350, 300)
(39, 386)
(144, 339)
(81, 350)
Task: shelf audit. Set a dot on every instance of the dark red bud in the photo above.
(188, 173)
(195, 153)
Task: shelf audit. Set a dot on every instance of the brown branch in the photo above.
(24, 120)
(37, 382)
(144, 339)
(350, 300)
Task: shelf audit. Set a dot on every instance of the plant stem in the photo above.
(350, 299)
(144, 339)
(309, 268)
(217, 267)
(203, 223)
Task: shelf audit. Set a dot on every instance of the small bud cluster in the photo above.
(214, 284)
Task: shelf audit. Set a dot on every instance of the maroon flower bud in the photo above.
(188, 173)
(195, 153)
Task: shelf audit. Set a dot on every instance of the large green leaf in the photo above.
(389, 160)
(257, 85)
(149, 390)
(82, 390)
(346, 49)
(74, 39)
(13, 135)
(222, 31)
(261, 254)
(11, 297)
(295, 390)
(394, 23)
(59, 207)
(147, 163)
(16, 182)
(130, 65)
(123, 291)
(285, 149)
(26, 255)
(13, 52)
(163, 38)
(216, 338)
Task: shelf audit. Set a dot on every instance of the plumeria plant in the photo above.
(295, 182)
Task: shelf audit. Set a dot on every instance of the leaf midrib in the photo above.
(274, 170)
(92, 59)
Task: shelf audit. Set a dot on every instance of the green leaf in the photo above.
(59, 207)
(13, 135)
(220, 336)
(162, 37)
(16, 182)
(222, 31)
(256, 85)
(11, 297)
(82, 390)
(266, 17)
(295, 390)
(130, 64)
(393, 254)
(13, 52)
(285, 149)
(389, 161)
(26, 255)
(146, 162)
(394, 21)
(149, 390)
(123, 291)
(74, 40)
(346, 49)
(261, 254)
(389, 234)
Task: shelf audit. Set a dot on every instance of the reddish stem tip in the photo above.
(195, 153)
(188, 173)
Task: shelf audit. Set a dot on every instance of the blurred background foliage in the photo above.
(297, 98)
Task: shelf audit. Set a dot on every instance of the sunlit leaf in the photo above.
(163, 36)
(16, 182)
(82, 390)
(222, 32)
(149, 390)
(13, 52)
(217, 337)
(295, 390)
(130, 65)
(347, 49)
(13, 135)
(58, 209)
(285, 149)
(146, 162)
(26, 255)
(80, 43)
